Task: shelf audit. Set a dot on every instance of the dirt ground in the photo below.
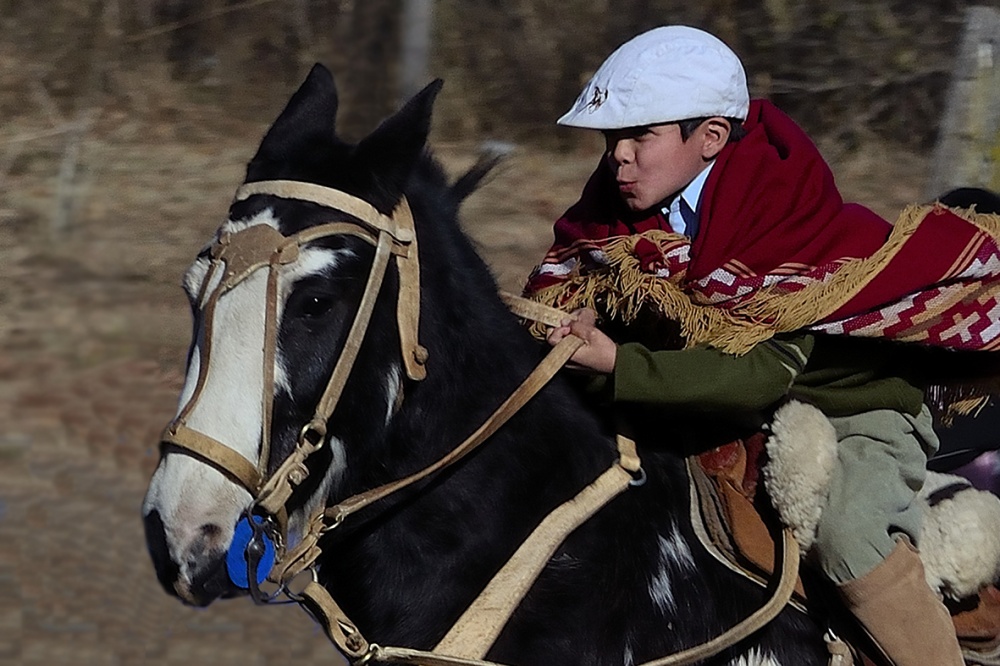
(93, 333)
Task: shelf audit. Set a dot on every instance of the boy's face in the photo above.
(653, 162)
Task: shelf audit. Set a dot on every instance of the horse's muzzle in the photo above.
(204, 578)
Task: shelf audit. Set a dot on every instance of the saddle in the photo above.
(736, 522)
(732, 519)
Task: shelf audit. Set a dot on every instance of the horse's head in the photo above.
(274, 297)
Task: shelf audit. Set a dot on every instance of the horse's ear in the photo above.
(392, 150)
(304, 128)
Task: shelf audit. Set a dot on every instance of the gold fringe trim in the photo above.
(622, 290)
(969, 406)
(954, 400)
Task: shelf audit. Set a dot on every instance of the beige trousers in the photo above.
(882, 462)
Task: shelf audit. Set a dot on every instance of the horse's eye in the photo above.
(316, 306)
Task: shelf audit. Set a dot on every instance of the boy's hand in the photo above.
(599, 351)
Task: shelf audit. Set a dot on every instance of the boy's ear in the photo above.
(714, 135)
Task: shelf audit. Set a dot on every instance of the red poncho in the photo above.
(778, 250)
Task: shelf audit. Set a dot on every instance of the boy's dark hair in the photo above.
(736, 129)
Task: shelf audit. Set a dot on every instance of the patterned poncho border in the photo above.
(732, 308)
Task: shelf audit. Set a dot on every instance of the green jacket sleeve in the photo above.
(707, 379)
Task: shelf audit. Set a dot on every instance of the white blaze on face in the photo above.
(187, 493)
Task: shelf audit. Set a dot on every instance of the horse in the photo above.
(631, 584)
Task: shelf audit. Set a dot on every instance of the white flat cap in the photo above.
(664, 75)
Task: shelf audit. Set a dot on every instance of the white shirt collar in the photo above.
(692, 195)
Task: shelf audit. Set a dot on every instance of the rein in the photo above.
(238, 255)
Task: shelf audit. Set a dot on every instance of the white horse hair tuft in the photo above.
(755, 657)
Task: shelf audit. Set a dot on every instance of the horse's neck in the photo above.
(437, 548)
(408, 573)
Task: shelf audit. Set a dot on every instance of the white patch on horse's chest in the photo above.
(675, 557)
(675, 549)
(755, 657)
(629, 658)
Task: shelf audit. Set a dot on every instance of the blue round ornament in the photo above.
(237, 557)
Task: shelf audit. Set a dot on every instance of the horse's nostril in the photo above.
(207, 542)
(211, 531)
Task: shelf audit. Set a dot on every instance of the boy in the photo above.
(721, 215)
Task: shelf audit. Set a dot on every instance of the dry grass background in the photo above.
(93, 332)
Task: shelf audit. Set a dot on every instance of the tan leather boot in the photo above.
(900, 612)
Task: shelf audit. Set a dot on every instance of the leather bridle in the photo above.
(239, 255)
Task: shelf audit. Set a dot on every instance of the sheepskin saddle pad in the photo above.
(744, 493)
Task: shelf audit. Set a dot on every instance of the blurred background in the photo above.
(125, 126)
